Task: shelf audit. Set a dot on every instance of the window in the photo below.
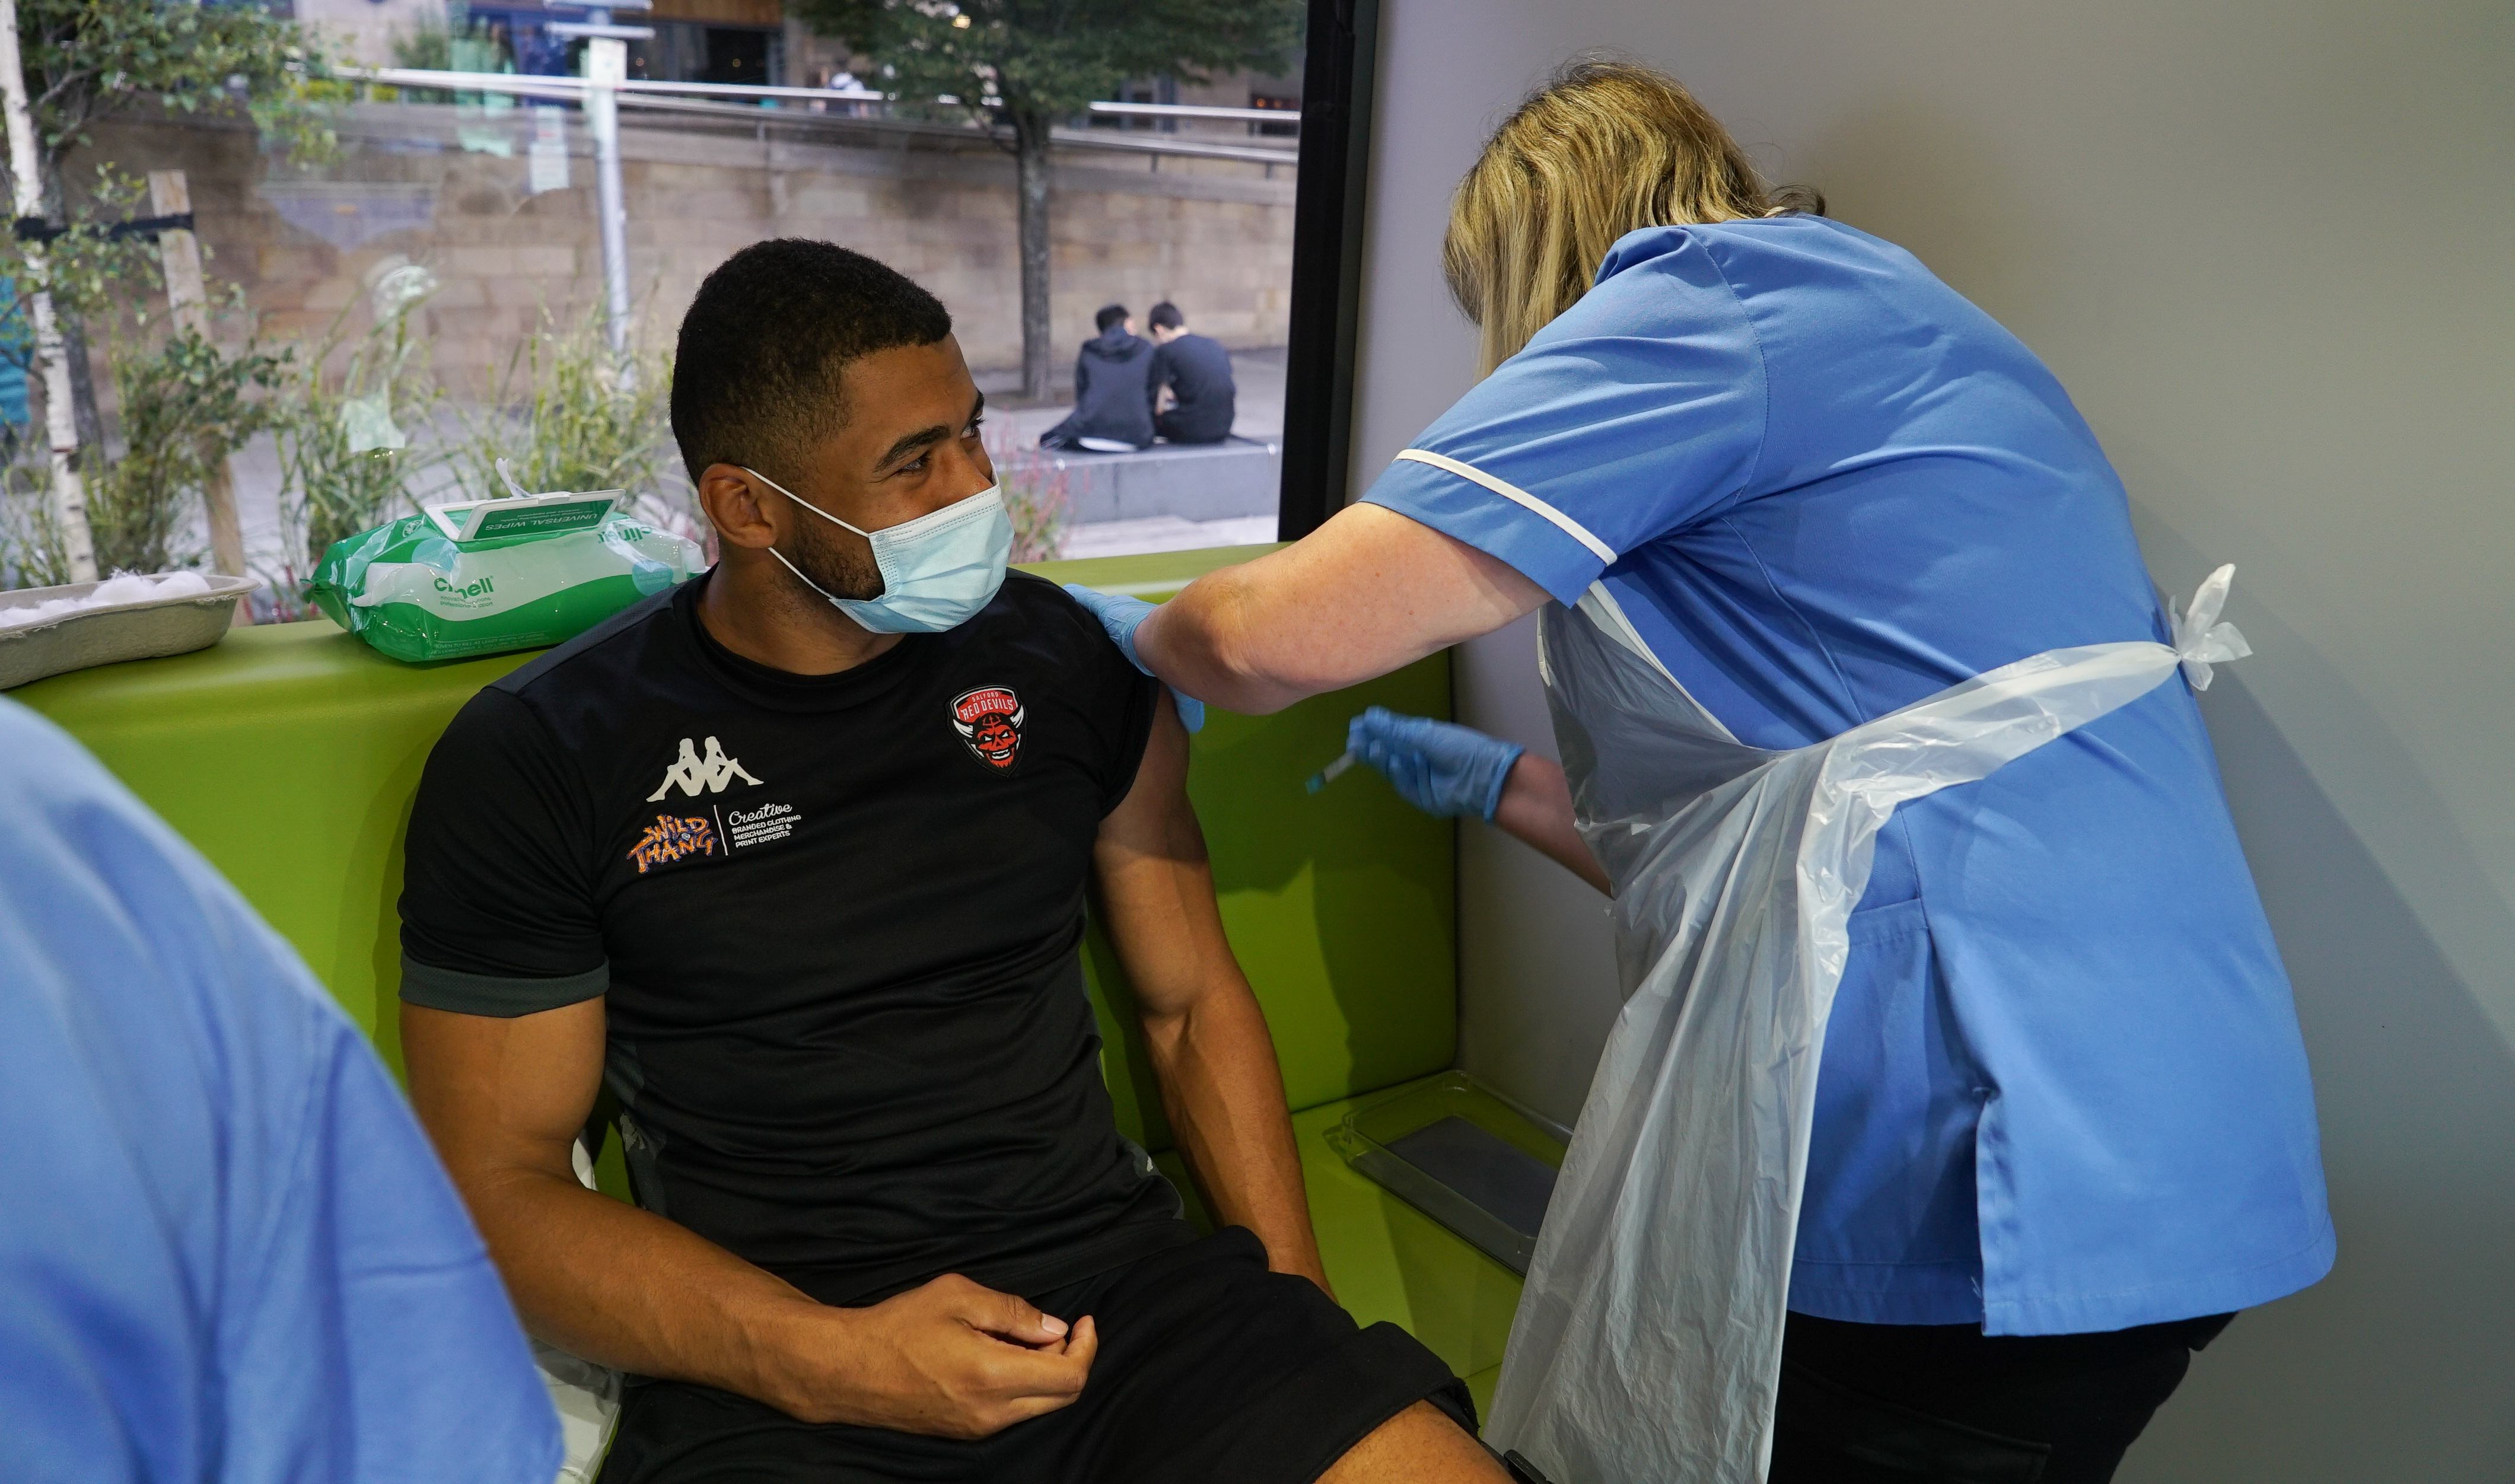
(445, 266)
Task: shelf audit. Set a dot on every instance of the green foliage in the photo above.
(429, 44)
(449, 40)
(31, 553)
(1047, 59)
(87, 270)
(88, 60)
(566, 418)
(1038, 497)
(186, 405)
(345, 460)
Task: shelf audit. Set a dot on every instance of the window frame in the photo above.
(1337, 72)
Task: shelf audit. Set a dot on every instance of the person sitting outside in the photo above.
(1196, 372)
(1113, 391)
(793, 861)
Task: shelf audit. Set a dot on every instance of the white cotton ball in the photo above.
(182, 585)
(37, 613)
(122, 587)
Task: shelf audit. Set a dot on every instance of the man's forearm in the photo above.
(632, 1291)
(1224, 1096)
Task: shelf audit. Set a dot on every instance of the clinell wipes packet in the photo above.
(416, 594)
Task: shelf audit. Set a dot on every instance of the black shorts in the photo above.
(1211, 1369)
(1946, 1404)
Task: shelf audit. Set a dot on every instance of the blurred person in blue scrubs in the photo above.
(2064, 1123)
(226, 1252)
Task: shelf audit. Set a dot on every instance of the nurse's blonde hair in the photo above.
(1607, 147)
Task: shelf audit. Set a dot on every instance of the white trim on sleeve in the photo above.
(1509, 491)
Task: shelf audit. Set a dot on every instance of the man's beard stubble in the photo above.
(842, 569)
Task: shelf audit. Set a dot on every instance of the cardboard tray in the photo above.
(136, 631)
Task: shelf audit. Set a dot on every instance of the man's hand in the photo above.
(947, 1359)
(503, 1099)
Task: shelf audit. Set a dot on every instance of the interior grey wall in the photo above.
(1537, 970)
(2267, 247)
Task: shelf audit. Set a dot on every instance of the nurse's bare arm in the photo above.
(1206, 1036)
(1364, 594)
(504, 1097)
(1536, 809)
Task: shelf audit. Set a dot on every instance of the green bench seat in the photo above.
(289, 754)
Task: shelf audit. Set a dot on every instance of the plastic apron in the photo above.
(1647, 1347)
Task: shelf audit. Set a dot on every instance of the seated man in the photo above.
(793, 860)
(1197, 374)
(1113, 391)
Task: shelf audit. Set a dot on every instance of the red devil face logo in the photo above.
(989, 719)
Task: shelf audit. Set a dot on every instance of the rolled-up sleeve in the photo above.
(1639, 411)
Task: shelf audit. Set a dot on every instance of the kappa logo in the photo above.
(695, 775)
(989, 719)
(669, 838)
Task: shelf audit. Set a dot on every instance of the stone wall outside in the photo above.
(451, 189)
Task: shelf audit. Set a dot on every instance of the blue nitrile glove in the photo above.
(1119, 616)
(1438, 766)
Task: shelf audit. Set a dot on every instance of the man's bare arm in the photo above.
(1210, 1047)
(504, 1098)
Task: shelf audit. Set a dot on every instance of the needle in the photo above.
(1327, 774)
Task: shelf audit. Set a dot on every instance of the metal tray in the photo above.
(137, 631)
(1464, 1155)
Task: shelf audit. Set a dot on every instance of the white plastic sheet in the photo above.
(1647, 1347)
(586, 1396)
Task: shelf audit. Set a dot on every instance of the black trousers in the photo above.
(1181, 429)
(1211, 1371)
(1946, 1404)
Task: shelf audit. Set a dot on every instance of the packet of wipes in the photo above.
(413, 593)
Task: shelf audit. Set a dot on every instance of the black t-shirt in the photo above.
(1198, 372)
(836, 917)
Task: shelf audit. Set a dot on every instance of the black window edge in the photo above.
(1327, 262)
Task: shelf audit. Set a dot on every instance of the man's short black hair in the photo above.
(1166, 317)
(1110, 315)
(756, 377)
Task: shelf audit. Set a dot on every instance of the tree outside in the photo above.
(1027, 65)
(87, 61)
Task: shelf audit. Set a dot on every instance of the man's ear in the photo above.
(737, 505)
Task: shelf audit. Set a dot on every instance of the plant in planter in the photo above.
(569, 414)
(345, 458)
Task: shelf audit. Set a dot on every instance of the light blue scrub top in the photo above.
(226, 1252)
(2063, 1088)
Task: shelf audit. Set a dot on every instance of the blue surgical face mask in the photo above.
(938, 570)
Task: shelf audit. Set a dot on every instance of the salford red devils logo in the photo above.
(989, 719)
